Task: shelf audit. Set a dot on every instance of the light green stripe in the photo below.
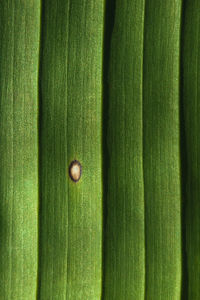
(71, 100)
(161, 149)
(19, 50)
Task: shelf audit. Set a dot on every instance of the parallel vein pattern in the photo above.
(19, 51)
(191, 109)
(142, 238)
(161, 149)
(70, 128)
(124, 232)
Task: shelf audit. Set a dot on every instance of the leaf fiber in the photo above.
(70, 129)
(19, 52)
(161, 127)
(124, 261)
(191, 111)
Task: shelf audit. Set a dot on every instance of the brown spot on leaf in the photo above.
(75, 170)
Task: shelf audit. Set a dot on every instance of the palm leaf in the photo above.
(108, 89)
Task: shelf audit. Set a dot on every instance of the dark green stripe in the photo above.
(124, 264)
(191, 108)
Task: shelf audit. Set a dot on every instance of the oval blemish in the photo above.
(75, 170)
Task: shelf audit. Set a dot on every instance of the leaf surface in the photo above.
(19, 53)
(70, 129)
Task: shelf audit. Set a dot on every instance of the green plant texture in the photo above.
(115, 86)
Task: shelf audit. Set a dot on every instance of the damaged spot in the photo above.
(75, 170)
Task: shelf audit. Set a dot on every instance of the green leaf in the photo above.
(19, 52)
(109, 88)
(143, 144)
(124, 260)
(191, 145)
(161, 149)
(70, 129)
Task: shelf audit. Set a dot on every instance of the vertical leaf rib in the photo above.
(19, 49)
(124, 269)
(161, 149)
(53, 151)
(84, 140)
(191, 111)
(71, 213)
